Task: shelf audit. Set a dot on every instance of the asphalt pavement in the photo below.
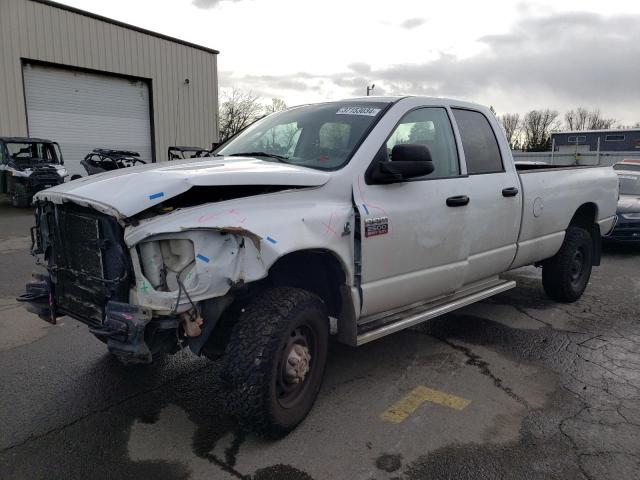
(515, 387)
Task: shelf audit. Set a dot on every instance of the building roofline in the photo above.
(606, 130)
(125, 25)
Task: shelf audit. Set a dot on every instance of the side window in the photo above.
(430, 127)
(478, 141)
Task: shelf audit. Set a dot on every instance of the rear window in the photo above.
(478, 141)
(629, 184)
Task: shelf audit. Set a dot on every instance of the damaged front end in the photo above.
(157, 295)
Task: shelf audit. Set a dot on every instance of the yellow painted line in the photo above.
(404, 407)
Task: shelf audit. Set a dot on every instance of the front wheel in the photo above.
(275, 360)
(19, 196)
(565, 275)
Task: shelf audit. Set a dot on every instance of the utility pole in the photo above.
(370, 89)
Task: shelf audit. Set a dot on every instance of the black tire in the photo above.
(261, 393)
(565, 276)
(19, 197)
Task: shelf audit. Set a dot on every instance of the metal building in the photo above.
(87, 81)
(625, 140)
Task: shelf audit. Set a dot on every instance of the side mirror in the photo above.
(407, 161)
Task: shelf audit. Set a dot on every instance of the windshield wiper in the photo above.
(260, 154)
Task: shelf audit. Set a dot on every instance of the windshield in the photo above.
(629, 183)
(322, 136)
(32, 153)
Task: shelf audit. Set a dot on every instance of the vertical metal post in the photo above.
(553, 147)
(598, 156)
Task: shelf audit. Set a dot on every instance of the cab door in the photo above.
(495, 199)
(412, 232)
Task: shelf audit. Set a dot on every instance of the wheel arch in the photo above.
(320, 271)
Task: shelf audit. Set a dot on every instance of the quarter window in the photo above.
(478, 141)
(430, 127)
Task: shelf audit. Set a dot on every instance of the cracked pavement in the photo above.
(554, 392)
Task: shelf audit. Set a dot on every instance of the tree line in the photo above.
(531, 132)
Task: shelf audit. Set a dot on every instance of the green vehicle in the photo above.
(28, 165)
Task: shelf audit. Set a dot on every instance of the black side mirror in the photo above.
(407, 161)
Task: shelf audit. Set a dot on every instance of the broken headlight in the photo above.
(167, 263)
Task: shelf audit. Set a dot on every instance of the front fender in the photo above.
(238, 242)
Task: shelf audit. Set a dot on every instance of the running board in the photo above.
(372, 330)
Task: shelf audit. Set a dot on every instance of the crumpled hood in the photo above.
(629, 204)
(129, 191)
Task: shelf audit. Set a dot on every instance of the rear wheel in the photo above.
(275, 360)
(565, 275)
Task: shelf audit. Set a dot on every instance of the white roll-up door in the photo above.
(82, 111)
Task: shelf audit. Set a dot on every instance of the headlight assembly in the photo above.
(165, 263)
(631, 215)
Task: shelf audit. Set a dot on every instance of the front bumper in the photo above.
(626, 231)
(123, 328)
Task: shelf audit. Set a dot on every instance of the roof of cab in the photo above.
(24, 140)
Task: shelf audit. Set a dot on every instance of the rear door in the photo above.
(413, 245)
(495, 199)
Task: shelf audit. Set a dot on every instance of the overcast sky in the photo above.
(513, 55)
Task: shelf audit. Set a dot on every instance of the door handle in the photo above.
(457, 201)
(509, 192)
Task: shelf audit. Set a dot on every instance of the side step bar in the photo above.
(372, 330)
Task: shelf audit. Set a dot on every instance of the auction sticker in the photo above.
(367, 111)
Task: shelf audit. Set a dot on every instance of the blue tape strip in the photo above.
(156, 195)
(269, 239)
(365, 208)
(203, 258)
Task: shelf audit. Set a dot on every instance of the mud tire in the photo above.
(254, 356)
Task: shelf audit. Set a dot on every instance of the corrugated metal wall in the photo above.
(182, 114)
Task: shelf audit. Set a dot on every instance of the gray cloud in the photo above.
(360, 67)
(412, 23)
(557, 61)
(207, 4)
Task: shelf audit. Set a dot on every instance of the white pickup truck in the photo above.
(356, 218)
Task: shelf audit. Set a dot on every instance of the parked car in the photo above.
(105, 160)
(357, 218)
(627, 226)
(182, 153)
(28, 165)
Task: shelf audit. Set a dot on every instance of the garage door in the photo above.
(83, 111)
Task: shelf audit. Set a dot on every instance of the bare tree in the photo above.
(511, 125)
(277, 105)
(536, 127)
(583, 119)
(238, 110)
(577, 119)
(598, 122)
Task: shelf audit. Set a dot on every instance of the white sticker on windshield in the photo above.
(367, 111)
